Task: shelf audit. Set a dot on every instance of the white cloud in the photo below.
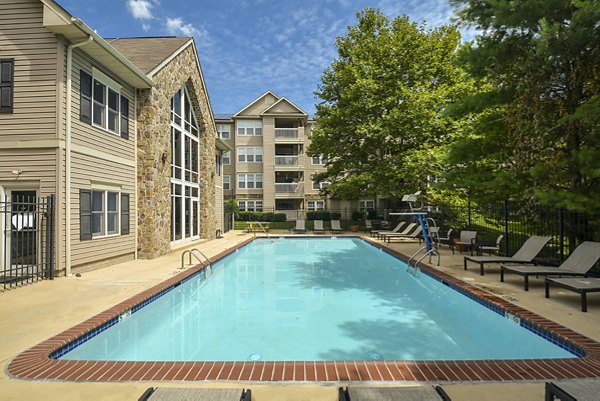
(141, 9)
(176, 26)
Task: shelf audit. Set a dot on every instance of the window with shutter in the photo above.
(124, 117)
(124, 214)
(85, 214)
(85, 97)
(7, 67)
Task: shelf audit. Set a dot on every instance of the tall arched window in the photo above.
(185, 168)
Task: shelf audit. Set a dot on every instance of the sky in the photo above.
(248, 47)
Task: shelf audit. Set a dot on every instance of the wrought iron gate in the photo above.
(227, 218)
(27, 238)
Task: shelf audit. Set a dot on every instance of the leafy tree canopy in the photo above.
(532, 131)
(379, 119)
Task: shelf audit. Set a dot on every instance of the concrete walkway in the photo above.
(34, 313)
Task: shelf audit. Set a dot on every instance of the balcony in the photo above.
(288, 135)
(289, 190)
(287, 161)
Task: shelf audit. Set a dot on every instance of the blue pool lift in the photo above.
(428, 228)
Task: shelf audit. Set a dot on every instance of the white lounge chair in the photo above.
(414, 234)
(525, 254)
(579, 263)
(335, 226)
(318, 226)
(377, 233)
(300, 227)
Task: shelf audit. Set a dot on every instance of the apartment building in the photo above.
(267, 168)
(119, 133)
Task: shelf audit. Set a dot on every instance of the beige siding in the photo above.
(34, 49)
(219, 201)
(93, 137)
(86, 171)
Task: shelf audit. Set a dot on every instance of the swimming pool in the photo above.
(318, 299)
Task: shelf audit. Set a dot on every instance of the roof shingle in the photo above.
(148, 53)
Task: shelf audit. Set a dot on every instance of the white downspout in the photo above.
(68, 153)
(135, 185)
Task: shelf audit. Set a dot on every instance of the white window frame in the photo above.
(248, 128)
(109, 85)
(105, 213)
(223, 129)
(227, 183)
(316, 185)
(250, 181)
(249, 154)
(226, 158)
(320, 160)
(363, 204)
(315, 205)
(250, 205)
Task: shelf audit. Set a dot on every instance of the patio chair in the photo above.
(573, 390)
(579, 263)
(415, 234)
(447, 240)
(581, 285)
(335, 227)
(300, 227)
(413, 393)
(467, 240)
(318, 227)
(368, 225)
(377, 233)
(490, 248)
(525, 254)
(198, 394)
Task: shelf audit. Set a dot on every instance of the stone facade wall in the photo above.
(154, 141)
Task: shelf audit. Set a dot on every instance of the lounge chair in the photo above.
(525, 254)
(573, 390)
(582, 285)
(197, 394)
(481, 248)
(318, 227)
(406, 230)
(467, 240)
(414, 234)
(377, 233)
(579, 263)
(413, 393)
(335, 226)
(300, 227)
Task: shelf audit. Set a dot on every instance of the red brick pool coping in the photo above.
(35, 363)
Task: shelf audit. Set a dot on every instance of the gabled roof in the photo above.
(256, 101)
(283, 107)
(150, 53)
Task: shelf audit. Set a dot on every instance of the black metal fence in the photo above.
(27, 240)
(227, 218)
(517, 221)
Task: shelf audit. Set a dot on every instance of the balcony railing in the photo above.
(286, 133)
(286, 160)
(292, 188)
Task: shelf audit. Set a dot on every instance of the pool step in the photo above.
(196, 394)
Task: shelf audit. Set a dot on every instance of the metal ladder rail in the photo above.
(262, 228)
(193, 252)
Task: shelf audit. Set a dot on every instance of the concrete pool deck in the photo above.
(34, 313)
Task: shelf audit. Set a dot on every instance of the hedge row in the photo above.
(260, 216)
(323, 215)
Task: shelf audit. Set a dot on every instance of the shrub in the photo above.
(356, 215)
(336, 215)
(257, 216)
(279, 217)
(318, 215)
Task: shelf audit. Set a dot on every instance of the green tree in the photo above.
(379, 119)
(533, 128)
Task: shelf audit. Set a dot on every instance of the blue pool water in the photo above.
(313, 299)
